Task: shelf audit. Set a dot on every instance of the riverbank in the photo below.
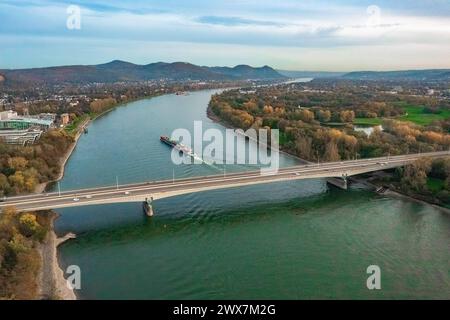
(63, 160)
(53, 285)
(212, 116)
(373, 184)
(390, 192)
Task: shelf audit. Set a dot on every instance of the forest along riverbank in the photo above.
(63, 160)
(373, 185)
(303, 135)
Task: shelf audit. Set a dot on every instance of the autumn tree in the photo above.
(324, 115)
(415, 175)
(29, 225)
(347, 116)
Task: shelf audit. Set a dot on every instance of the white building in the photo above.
(6, 115)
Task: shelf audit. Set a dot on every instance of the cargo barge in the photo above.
(176, 145)
(182, 148)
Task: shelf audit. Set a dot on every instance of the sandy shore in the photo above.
(53, 285)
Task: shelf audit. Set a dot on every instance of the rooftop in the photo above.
(30, 120)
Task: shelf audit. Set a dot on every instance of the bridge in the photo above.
(148, 191)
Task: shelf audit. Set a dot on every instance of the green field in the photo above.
(417, 115)
(73, 127)
(368, 121)
(414, 113)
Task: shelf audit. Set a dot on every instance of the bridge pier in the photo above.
(341, 183)
(148, 208)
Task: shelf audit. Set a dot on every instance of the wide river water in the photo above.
(297, 240)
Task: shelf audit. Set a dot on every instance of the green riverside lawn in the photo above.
(417, 115)
(413, 113)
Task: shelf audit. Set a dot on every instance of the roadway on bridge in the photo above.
(139, 191)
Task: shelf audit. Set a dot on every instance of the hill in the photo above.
(117, 71)
(415, 75)
(310, 74)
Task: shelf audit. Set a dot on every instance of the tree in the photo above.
(268, 109)
(100, 105)
(250, 106)
(4, 185)
(303, 146)
(305, 115)
(415, 175)
(17, 163)
(441, 168)
(17, 180)
(331, 152)
(7, 223)
(347, 116)
(28, 224)
(324, 115)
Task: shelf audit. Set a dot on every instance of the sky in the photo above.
(312, 35)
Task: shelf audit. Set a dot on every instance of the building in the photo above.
(20, 137)
(65, 119)
(44, 116)
(25, 123)
(5, 115)
(11, 120)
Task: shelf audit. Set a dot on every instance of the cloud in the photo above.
(235, 21)
(290, 26)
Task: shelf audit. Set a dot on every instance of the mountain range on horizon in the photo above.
(412, 75)
(122, 71)
(403, 75)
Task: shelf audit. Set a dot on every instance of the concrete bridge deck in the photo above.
(139, 192)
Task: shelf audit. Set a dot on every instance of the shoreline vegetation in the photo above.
(374, 185)
(303, 135)
(22, 235)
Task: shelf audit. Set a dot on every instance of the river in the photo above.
(296, 240)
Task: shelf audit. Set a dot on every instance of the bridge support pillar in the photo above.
(339, 182)
(148, 207)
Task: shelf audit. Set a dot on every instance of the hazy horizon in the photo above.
(311, 36)
(231, 66)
